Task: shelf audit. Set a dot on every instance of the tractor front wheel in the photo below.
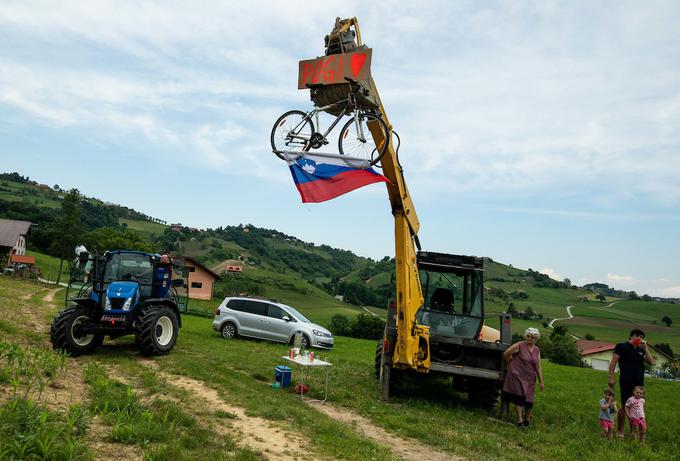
(157, 330)
(67, 332)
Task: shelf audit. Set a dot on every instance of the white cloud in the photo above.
(671, 292)
(623, 281)
(487, 98)
(550, 272)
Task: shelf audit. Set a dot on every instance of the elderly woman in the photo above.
(524, 364)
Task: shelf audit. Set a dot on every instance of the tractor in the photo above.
(121, 293)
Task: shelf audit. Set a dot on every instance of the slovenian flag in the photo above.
(321, 178)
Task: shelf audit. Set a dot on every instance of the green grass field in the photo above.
(49, 266)
(240, 370)
(145, 227)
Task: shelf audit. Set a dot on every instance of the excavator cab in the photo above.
(452, 289)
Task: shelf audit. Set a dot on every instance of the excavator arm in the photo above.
(410, 348)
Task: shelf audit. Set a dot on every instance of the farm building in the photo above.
(12, 239)
(201, 279)
(598, 354)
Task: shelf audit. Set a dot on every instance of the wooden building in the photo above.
(201, 279)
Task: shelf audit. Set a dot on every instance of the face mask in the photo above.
(636, 341)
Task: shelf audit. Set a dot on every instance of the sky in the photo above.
(540, 134)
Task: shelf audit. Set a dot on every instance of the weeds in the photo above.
(28, 431)
(29, 370)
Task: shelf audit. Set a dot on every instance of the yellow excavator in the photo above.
(435, 324)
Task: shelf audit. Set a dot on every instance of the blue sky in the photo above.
(540, 134)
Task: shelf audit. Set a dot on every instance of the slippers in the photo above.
(619, 435)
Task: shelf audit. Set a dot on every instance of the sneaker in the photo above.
(520, 424)
(526, 423)
(619, 435)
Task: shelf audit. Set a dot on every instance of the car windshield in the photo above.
(128, 266)
(297, 314)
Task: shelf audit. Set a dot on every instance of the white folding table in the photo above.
(304, 365)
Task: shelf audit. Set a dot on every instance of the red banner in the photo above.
(334, 68)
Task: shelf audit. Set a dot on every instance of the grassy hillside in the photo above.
(162, 420)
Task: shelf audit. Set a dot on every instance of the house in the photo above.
(234, 268)
(583, 299)
(12, 239)
(201, 279)
(598, 354)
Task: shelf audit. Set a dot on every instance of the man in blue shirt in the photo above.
(630, 356)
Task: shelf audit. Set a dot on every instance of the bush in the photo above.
(564, 351)
(368, 327)
(340, 325)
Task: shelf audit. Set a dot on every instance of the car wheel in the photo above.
(305, 342)
(228, 330)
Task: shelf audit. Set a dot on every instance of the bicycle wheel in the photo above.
(356, 139)
(292, 131)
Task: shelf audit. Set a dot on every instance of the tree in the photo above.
(108, 238)
(68, 229)
(559, 330)
(667, 320)
(589, 337)
(529, 312)
(665, 348)
(512, 310)
(56, 187)
(633, 295)
(564, 351)
(601, 297)
(646, 297)
(566, 282)
(340, 325)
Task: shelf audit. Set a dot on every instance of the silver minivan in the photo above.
(263, 319)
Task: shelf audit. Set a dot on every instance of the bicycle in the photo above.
(295, 132)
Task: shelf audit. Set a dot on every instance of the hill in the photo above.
(311, 276)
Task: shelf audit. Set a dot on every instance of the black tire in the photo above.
(65, 334)
(228, 330)
(351, 144)
(283, 128)
(157, 330)
(305, 344)
(378, 359)
(483, 393)
(398, 381)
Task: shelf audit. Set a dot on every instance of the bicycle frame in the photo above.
(315, 113)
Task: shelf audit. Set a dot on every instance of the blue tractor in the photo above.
(121, 293)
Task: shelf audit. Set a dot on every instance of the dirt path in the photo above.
(406, 449)
(571, 316)
(259, 434)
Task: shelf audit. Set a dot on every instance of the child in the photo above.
(635, 411)
(607, 410)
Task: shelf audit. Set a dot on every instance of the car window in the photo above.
(254, 307)
(235, 304)
(276, 312)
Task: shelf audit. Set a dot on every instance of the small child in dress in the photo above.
(635, 411)
(607, 411)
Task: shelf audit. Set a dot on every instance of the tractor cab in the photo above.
(453, 292)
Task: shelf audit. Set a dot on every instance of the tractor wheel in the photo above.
(483, 393)
(66, 332)
(157, 330)
(397, 377)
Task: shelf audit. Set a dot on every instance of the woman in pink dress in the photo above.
(524, 364)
